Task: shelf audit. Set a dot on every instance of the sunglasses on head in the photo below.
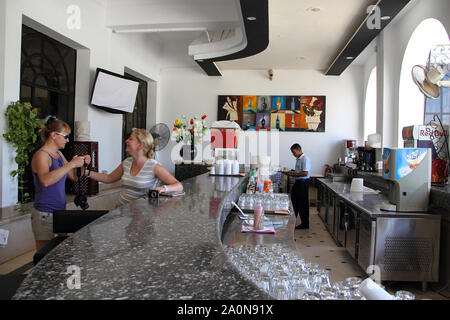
(66, 136)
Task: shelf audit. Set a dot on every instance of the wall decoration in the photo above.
(263, 121)
(274, 113)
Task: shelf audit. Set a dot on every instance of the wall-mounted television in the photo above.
(113, 92)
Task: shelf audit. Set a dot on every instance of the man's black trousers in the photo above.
(300, 200)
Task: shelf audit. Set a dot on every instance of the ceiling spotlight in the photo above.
(384, 18)
(251, 18)
(349, 58)
(313, 9)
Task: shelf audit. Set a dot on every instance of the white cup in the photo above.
(357, 185)
(228, 166)
(220, 167)
(235, 167)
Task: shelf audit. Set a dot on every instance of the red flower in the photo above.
(204, 116)
(192, 131)
(192, 121)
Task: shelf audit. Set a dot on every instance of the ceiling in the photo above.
(303, 34)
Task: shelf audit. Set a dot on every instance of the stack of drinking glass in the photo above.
(278, 271)
(269, 201)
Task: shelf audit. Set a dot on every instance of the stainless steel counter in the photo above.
(402, 246)
(370, 202)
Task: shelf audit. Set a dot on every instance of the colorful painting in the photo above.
(263, 121)
(281, 113)
(278, 103)
(249, 103)
(264, 104)
(277, 121)
(248, 121)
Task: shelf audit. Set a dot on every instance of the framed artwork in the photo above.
(274, 113)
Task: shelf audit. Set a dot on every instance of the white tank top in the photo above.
(134, 187)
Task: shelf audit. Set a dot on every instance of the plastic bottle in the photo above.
(258, 222)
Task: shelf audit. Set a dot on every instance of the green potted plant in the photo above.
(21, 133)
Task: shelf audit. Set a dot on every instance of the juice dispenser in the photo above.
(409, 171)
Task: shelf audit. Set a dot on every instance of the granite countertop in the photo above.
(370, 201)
(166, 249)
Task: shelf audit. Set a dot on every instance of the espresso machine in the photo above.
(350, 153)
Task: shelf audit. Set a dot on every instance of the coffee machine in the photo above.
(350, 153)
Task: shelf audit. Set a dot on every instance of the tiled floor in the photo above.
(316, 245)
(16, 263)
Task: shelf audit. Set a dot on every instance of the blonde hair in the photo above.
(145, 137)
(52, 124)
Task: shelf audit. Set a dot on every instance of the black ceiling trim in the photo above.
(364, 36)
(257, 33)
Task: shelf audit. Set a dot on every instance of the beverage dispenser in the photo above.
(409, 171)
(433, 137)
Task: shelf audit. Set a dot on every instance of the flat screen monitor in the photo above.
(113, 92)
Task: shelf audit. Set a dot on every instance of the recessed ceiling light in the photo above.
(384, 18)
(349, 58)
(313, 9)
(251, 18)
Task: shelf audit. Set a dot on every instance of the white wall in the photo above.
(97, 46)
(391, 47)
(190, 92)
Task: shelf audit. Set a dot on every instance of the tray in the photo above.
(281, 212)
(242, 174)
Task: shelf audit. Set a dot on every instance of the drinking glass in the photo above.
(299, 288)
(353, 282)
(328, 293)
(343, 292)
(404, 295)
(311, 296)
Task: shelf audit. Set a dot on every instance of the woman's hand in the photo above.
(160, 189)
(87, 159)
(77, 161)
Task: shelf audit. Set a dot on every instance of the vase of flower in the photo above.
(189, 132)
(313, 121)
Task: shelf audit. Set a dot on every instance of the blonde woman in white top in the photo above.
(139, 172)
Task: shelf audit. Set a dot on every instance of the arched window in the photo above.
(47, 81)
(370, 106)
(428, 33)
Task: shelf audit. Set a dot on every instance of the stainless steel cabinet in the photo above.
(332, 199)
(366, 247)
(351, 224)
(322, 194)
(340, 223)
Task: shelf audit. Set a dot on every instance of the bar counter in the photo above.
(371, 201)
(169, 248)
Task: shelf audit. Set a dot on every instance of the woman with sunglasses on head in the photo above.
(50, 170)
(139, 172)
